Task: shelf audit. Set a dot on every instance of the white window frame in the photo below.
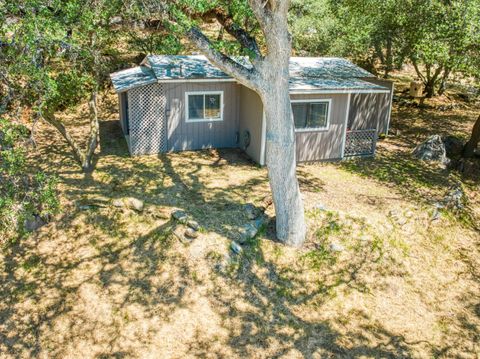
(188, 119)
(314, 100)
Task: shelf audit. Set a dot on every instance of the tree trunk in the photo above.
(280, 136)
(443, 82)
(472, 144)
(281, 164)
(84, 158)
(389, 58)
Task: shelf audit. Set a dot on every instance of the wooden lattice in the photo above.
(360, 143)
(148, 125)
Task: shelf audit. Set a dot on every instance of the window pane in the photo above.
(318, 115)
(195, 107)
(212, 106)
(300, 114)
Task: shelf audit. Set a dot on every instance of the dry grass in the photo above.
(106, 282)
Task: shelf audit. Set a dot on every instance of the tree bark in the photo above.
(281, 165)
(269, 77)
(443, 82)
(472, 144)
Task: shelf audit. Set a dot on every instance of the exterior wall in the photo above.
(184, 135)
(327, 144)
(368, 111)
(251, 117)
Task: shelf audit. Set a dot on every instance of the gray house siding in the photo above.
(371, 110)
(251, 117)
(328, 144)
(184, 135)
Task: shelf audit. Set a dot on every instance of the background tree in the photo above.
(437, 35)
(54, 55)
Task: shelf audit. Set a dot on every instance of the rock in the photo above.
(32, 223)
(129, 202)
(180, 216)
(336, 247)
(191, 233)
(236, 248)
(453, 146)
(180, 236)
(432, 150)
(455, 198)
(247, 232)
(252, 211)
(118, 202)
(134, 203)
(193, 224)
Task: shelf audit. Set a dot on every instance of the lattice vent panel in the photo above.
(360, 143)
(148, 125)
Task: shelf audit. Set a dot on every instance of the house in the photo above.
(177, 103)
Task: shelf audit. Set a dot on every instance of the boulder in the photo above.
(432, 150)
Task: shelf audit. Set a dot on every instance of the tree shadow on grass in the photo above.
(54, 287)
(278, 313)
(412, 178)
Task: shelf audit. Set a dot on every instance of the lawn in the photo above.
(378, 276)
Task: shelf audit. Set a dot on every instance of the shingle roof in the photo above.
(306, 73)
(134, 77)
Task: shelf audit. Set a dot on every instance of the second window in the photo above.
(311, 115)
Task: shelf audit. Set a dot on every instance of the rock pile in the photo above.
(192, 230)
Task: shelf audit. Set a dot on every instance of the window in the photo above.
(204, 106)
(311, 115)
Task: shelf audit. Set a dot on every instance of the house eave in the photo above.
(336, 91)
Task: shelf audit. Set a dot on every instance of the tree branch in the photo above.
(248, 77)
(241, 35)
